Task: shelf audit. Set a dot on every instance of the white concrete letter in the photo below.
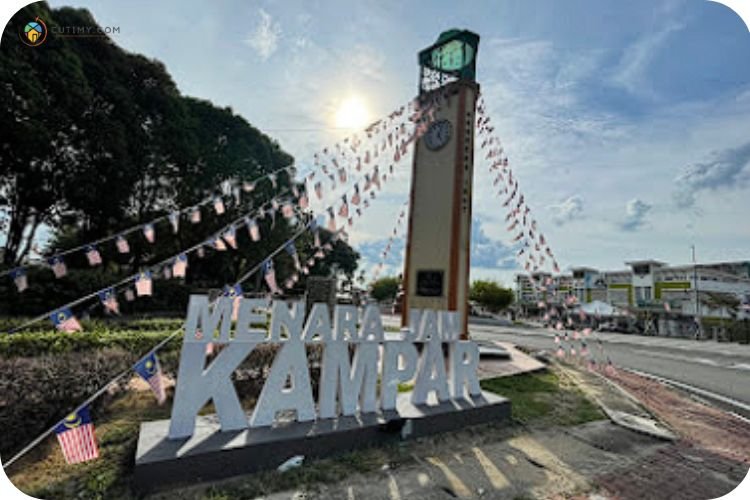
(464, 361)
(431, 374)
(282, 316)
(352, 384)
(399, 365)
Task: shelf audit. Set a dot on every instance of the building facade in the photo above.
(712, 290)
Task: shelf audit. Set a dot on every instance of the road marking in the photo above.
(690, 388)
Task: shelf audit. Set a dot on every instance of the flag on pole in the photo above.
(122, 245)
(93, 255)
(108, 299)
(64, 321)
(230, 236)
(20, 279)
(148, 232)
(218, 205)
(148, 368)
(270, 276)
(180, 266)
(252, 228)
(143, 283)
(58, 266)
(76, 437)
(174, 219)
(292, 251)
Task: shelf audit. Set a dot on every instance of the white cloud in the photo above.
(725, 169)
(567, 211)
(635, 214)
(265, 38)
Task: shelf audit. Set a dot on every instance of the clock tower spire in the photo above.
(436, 274)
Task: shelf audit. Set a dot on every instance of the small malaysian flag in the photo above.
(292, 251)
(143, 283)
(319, 190)
(344, 209)
(342, 175)
(174, 219)
(252, 228)
(218, 205)
(148, 233)
(93, 256)
(356, 197)
(331, 220)
(287, 210)
(234, 291)
(230, 236)
(270, 276)
(180, 266)
(122, 245)
(129, 295)
(218, 244)
(303, 202)
(148, 368)
(19, 277)
(248, 186)
(76, 437)
(195, 215)
(108, 299)
(64, 321)
(58, 266)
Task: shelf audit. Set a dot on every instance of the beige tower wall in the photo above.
(440, 215)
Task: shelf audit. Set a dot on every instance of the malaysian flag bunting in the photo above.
(19, 277)
(195, 215)
(218, 244)
(218, 205)
(319, 190)
(236, 292)
(270, 276)
(93, 255)
(58, 266)
(64, 321)
(342, 175)
(355, 196)
(166, 271)
(248, 186)
(292, 251)
(252, 228)
(129, 295)
(331, 220)
(143, 283)
(287, 210)
(174, 219)
(230, 236)
(148, 368)
(303, 202)
(76, 437)
(108, 299)
(180, 266)
(344, 209)
(148, 232)
(122, 245)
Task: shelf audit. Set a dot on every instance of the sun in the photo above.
(352, 113)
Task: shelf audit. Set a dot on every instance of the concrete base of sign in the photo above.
(211, 454)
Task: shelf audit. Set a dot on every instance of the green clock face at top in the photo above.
(452, 56)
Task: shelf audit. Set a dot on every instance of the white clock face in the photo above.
(438, 134)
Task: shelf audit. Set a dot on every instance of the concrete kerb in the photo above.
(649, 426)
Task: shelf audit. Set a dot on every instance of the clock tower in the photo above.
(436, 274)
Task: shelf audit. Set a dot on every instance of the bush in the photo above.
(385, 288)
(490, 295)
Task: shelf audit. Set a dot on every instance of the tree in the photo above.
(490, 295)
(385, 288)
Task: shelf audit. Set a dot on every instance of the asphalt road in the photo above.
(721, 369)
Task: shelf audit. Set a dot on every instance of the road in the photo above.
(721, 369)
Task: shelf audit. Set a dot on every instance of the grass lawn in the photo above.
(539, 400)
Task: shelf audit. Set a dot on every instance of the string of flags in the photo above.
(389, 245)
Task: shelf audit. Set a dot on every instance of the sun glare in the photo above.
(352, 113)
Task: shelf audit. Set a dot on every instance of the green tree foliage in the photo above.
(385, 288)
(490, 295)
(96, 139)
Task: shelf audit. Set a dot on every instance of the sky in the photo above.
(626, 122)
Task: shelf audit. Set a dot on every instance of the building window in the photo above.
(647, 293)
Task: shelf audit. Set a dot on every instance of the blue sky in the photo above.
(626, 122)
